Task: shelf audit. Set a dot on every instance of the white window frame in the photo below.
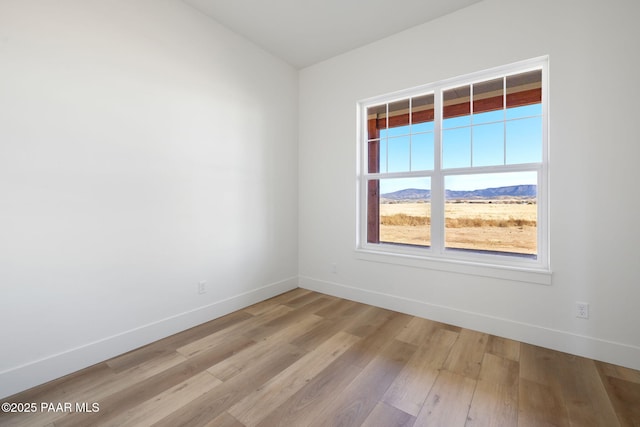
(436, 256)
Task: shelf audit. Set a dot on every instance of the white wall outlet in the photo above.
(202, 286)
(582, 310)
(334, 268)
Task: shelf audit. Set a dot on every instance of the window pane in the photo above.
(398, 154)
(456, 148)
(525, 111)
(399, 117)
(422, 151)
(524, 141)
(405, 211)
(398, 131)
(488, 144)
(422, 127)
(494, 213)
(383, 156)
(488, 101)
(456, 107)
(422, 113)
(376, 120)
(491, 116)
(456, 122)
(522, 90)
(377, 156)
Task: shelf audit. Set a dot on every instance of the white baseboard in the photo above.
(31, 374)
(580, 345)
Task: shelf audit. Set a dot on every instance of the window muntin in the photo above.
(489, 128)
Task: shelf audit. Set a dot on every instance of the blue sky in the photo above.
(511, 136)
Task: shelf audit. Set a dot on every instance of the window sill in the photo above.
(518, 274)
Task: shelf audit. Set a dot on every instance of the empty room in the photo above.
(319, 213)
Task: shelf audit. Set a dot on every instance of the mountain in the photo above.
(513, 191)
(413, 194)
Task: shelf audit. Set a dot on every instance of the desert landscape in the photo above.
(505, 225)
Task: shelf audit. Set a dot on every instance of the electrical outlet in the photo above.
(334, 268)
(582, 310)
(202, 286)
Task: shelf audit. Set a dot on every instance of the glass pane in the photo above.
(376, 120)
(488, 144)
(422, 152)
(488, 101)
(524, 141)
(383, 156)
(398, 131)
(494, 213)
(523, 89)
(422, 127)
(456, 122)
(377, 156)
(456, 107)
(405, 211)
(398, 154)
(456, 148)
(399, 117)
(524, 111)
(488, 117)
(422, 113)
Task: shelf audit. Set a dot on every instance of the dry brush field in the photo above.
(498, 226)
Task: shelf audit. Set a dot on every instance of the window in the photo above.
(457, 170)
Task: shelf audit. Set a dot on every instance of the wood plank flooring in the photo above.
(308, 359)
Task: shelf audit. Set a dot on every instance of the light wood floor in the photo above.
(308, 359)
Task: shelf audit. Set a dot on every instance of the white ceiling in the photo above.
(304, 32)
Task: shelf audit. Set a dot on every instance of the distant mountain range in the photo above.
(513, 191)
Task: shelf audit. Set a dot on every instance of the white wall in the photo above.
(143, 148)
(595, 147)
